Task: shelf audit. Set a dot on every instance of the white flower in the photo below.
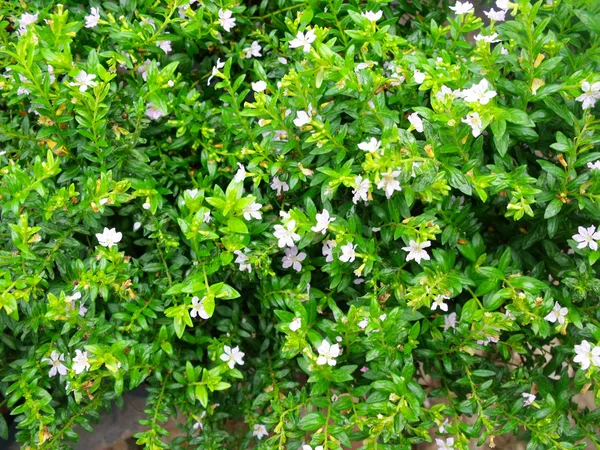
(303, 40)
(373, 16)
(170, 83)
(153, 112)
(448, 445)
(389, 183)
(148, 21)
(136, 226)
(591, 93)
(260, 431)
(91, 21)
(489, 39)
(206, 218)
(302, 118)
(252, 210)
(418, 76)
(308, 447)
(503, 51)
(498, 16)
(474, 121)
(444, 92)
(146, 205)
(242, 261)
(586, 355)
(529, 398)
(327, 249)
(296, 324)
(279, 186)
(165, 46)
(232, 356)
(417, 251)
(363, 324)
(84, 80)
(502, 4)
(82, 310)
(323, 221)
(558, 313)
(259, 86)
(479, 93)
(442, 427)
(240, 175)
(80, 362)
(328, 353)
(438, 302)
(361, 189)
(253, 50)
(286, 235)
(462, 8)
(416, 121)
(587, 237)
(55, 361)
(26, 20)
(226, 20)
(192, 192)
(594, 165)
(450, 321)
(22, 91)
(348, 252)
(198, 308)
(282, 60)
(293, 259)
(215, 69)
(371, 146)
(108, 238)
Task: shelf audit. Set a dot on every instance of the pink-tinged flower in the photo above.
(586, 355)
(253, 50)
(55, 361)
(242, 260)
(260, 431)
(587, 237)
(91, 21)
(279, 186)
(198, 308)
(327, 250)
(26, 20)
(448, 445)
(328, 353)
(529, 398)
(232, 356)
(450, 321)
(293, 259)
(165, 46)
(594, 165)
(498, 16)
(152, 112)
(417, 251)
(226, 19)
(303, 40)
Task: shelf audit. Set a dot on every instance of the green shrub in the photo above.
(301, 224)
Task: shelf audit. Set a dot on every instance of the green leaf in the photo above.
(312, 421)
(236, 225)
(553, 208)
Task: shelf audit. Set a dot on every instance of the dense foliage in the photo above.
(301, 224)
